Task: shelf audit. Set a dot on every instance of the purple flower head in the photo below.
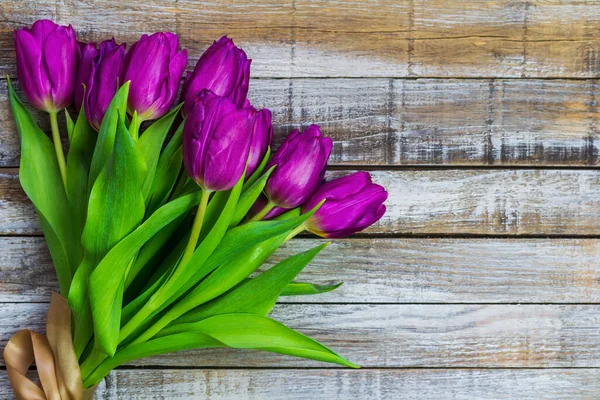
(352, 203)
(224, 69)
(87, 53)
(100, 72)
(262, 135)
(216, 141)
(47, 64)
(154, 65)
(301, 162)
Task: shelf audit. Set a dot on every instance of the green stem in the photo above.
(60, 155)
(268, 207)
(295, 232)
(134, 126)
(196, 228)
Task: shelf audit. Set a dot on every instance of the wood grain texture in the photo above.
(420, 122)
(295, 384)
(388, 270)
(412, 83)
(432, 336)
(433, 202)
(390, 38)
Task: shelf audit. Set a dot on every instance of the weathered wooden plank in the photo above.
(403, 335)
(421, 122)
(526, 384)
(549, 38)
(432, 202)
(388, 270)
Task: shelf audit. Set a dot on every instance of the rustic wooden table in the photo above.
(480, 117)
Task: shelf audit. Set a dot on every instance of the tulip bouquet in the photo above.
(159, 217)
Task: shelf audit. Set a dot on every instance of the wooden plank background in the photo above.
(482, 120)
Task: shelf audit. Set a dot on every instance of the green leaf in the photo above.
(80, 305)
(108, 278)
(167, 171)
(106, 135)
(259, 170)
(235, 242)
(116, 205)
(182, 277)
(138, 303)
(70, 125)
(230, 273)
(151, 143)
(41, 180)
(58, 255)
(152, 248)
(223, 278)
(115, 209)
(83, 141)
(238, 331)
(305, 288)
(248, 331)
(248, 198)
(161, 260)
(258, 295)
(167, 344)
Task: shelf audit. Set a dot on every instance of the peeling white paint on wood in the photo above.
(488, 202)
(419, 122)
(388, 270)
(402, 335)
(296, 384)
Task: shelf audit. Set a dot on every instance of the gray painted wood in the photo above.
(402, 335)
(357, 68)
(433, 202)
(420, 122)
(387, 38)
(388, 270)
(297, 384)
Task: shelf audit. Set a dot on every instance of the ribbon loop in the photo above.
(54, 357)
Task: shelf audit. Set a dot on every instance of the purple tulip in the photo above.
(352, 203)
(154, 65)
(216, 141)
(99, 71)
(261, 139)
(224, 69)
(86, 55)
(47, 64)
(301, 162)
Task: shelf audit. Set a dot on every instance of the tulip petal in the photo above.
(59, 60)
(31, 74)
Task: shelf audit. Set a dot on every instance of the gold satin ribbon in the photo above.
(54, 357)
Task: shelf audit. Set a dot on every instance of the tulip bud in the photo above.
(216, 141)
(86, 55)
(99, 71)
(261, 139)
(224, 69)
(352, 203)
(154, 65)
(47, 64)
(301, 162)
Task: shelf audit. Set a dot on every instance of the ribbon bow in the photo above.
(54, 357)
